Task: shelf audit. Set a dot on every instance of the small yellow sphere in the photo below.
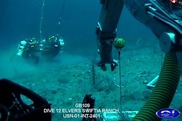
(119, 43)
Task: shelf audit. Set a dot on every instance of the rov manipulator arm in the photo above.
(166, 25)
(106, 30)
(164, 20)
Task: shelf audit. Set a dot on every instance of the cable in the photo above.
(60, 17)
(41, 19)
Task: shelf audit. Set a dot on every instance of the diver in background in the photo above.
(51, 47)
(33, 49)
(28, 49)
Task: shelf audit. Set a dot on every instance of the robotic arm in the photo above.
(106, 30)
(164, 18)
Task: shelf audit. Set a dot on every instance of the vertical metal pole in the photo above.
(120, 83)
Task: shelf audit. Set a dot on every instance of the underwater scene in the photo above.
(57, 64)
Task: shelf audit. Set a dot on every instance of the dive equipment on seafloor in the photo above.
(18, 103)
(21, 47)
(51, 47)
(61, 41)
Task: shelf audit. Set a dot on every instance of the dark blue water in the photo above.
(21, 19)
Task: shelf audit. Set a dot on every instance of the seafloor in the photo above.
(65, 81)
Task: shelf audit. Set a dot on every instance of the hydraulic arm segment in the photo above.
(106, 30)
